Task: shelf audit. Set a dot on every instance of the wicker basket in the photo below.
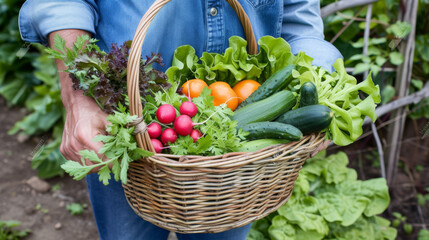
(195, 194)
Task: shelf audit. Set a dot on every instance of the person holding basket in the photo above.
(204, 24)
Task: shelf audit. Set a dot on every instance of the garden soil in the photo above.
(42, 212)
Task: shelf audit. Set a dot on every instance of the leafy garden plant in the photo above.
(8, 230)
(28, 78)
(329, 202)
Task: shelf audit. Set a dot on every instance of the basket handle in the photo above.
(134, 59)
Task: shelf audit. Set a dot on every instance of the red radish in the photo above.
(188, 108)
(166, 113)
(183, 125)
(195, 134)
(168, 136)
(157, 145)
(154, 130)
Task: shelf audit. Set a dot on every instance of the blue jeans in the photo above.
(117, 221)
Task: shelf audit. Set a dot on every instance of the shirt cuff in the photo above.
(39, 18)
(323, 53)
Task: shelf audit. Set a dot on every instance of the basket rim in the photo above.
(233, 159)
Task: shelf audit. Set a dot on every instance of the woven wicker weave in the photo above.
(195, 194)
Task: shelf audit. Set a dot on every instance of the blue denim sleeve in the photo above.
(303, 29)
(39, 18)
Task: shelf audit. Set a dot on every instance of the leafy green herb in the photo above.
(102, 75)
(328, 202)
(120, 147)
(219, 131)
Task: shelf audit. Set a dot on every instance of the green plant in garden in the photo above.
(28, 77)
(402, 220)
(75, 208)
(423, 234)
(422, 199)
(385, 35)
(328, 202)
(46, 114)
(8, 230)
(16, 74)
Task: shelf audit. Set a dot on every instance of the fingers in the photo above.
(79, 135)
(84, 133)
(69, 149)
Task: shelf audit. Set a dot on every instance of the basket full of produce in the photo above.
(217, 141)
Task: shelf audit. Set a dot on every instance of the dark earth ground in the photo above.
(18, 201)
(46, 215)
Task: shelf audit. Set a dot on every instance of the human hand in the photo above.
(84, 120)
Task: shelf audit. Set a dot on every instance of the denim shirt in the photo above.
(204, 24)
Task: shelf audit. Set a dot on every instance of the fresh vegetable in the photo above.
(223, 93)
(195, 134)
(337, 90)
(220, 135)
(102, 75)
(244, 88)
(120, 148)
(157, 145)
(192, 88)
(308, 95)
(154, 130)
(308, 119)
(188, 108)
(234, 65)
(275, 130)
(168, 136)
(255, 145)
(265, 110)
(340, 92)
(183, 125)
(166, 114)
(275, 83)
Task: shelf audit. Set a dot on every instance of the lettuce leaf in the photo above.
(323, 206)
(233, 65)
(338, 90)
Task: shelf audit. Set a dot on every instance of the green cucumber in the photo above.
(275, 130)
(265, 110)
(308, 95)
(275, 83)
(308, 119)
(255, 145)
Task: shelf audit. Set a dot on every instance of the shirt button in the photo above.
(213, 11)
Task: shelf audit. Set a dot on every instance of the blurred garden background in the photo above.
(389, 38)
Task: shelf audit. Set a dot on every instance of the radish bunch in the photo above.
(182, 125)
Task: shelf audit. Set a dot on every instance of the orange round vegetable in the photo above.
(193, 88)
(244, 88)
(223, 93)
